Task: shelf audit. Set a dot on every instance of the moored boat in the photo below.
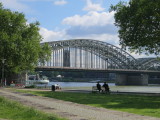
(33, 80)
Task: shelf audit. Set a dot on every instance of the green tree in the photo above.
(139, 25)
(20, 42)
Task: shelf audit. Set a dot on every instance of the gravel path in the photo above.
(70, 110)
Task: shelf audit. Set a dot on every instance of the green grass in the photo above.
(15, 111)
(143, 105)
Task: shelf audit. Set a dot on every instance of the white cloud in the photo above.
(92, 6)
(90, 19)
(49, 35)
(16, 5)
(60, 2)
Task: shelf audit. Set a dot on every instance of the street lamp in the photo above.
(3, 61)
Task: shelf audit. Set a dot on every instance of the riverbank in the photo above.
(87, 88)
(72, 108)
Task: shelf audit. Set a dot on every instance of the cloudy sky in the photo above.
(70, 19)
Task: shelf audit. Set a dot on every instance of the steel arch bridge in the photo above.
(149, 63)
(94, 54)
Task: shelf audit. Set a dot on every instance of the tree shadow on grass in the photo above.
(108, 101)
(143, 105)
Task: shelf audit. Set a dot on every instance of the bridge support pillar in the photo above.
(131, 79)
(121, 79)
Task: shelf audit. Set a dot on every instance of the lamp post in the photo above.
(3, 61)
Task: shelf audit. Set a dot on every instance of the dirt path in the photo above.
(70, 110)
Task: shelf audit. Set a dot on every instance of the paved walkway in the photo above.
(70, 110)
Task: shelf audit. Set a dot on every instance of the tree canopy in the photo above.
(20, 42)
(139, 25)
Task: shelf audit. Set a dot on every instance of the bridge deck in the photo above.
(47, 68)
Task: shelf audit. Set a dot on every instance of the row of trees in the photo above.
(20, 48)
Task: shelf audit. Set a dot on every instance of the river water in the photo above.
(113, 87)
(77, 84)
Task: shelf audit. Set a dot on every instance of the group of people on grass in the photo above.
(105, 85)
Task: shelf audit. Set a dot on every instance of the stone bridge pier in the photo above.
(131, 79)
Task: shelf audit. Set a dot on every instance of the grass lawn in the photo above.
(15, 111)
(143, 105)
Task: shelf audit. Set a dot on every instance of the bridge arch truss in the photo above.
(149, 63)
(86, 53)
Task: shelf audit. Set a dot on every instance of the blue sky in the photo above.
(70, 19)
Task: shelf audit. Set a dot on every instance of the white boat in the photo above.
(33, 80)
